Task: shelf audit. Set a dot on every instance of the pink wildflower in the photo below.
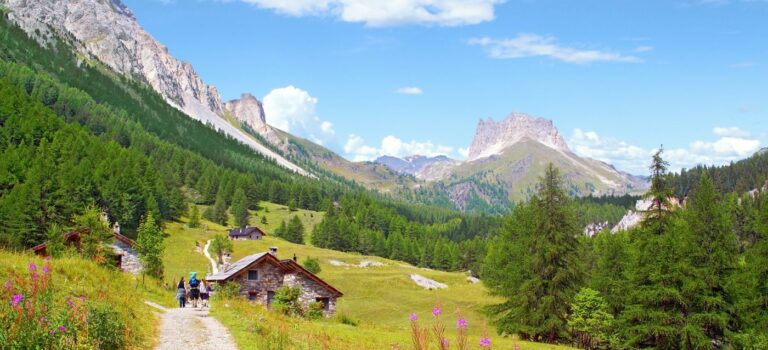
(8, 285)
(32, 267)
(46, 270)
(436, 311)
(62, 328)
(16, 300)
(485, 342)
(413, 317)
(35, 276)
(461, 324)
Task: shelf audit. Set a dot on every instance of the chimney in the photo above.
(273, 251)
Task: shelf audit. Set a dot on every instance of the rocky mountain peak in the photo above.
(492, 137)
(108, 31)
(422, 167)
(249, 111)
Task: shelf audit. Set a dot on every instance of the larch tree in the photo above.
(654, 312)
(239, 208)
(194, 217)
(534, 265)
(150, 246)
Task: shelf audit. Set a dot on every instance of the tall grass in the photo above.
(70, 303)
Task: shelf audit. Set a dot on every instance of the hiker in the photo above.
(204, 296)
(181, 293)
(194, 288)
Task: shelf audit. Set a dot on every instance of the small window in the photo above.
(253, 275)
(326, 303)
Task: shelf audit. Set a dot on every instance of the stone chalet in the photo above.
(126, 259)
(251, 233)
(261, 275)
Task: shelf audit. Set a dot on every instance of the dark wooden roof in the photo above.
(245, 231)
(289, 266)
(74, 234)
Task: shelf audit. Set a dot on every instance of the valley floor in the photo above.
(378, 299)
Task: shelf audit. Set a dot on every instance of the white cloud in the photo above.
(533, 45)
(731, 132)
(293, 110)
(409, 90)
(463, 152)
(377, 13)
(732, 144)
(357, 150)
(643, 49)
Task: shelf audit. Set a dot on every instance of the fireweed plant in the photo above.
(30, 317)
(420, 336)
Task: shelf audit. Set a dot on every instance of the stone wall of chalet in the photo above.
(130, 261)
(310, 291)
(270, 280)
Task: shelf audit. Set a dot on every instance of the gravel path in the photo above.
(207, 254)
(191, 328)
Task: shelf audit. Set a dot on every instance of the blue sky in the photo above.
(368, 77)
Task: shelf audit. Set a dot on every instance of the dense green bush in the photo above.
(105, 326)
(286, 301)
(316, 310)
(312, 265)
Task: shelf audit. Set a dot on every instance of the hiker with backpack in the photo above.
(181, 293)
(194, 288)
(204, 296)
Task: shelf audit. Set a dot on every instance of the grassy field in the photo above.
(76, 278)
(379, 299)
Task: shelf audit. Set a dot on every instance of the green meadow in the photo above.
(379, 299)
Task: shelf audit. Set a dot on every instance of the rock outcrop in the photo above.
(249, 111)
(422, 167)
(492, 137)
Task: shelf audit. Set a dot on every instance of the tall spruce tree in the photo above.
(654, 314)
(150, 247)
(194, 217)
(295, 230)
(535, 266)
(655, 217)
(239, 208)
(218, 212)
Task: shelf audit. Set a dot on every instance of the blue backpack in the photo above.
(194, 282)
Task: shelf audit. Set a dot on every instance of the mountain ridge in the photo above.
(109, 32)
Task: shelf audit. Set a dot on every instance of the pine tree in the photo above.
(150, 247)
(218, 212)
(535, 265)
(659, 194)
(295, 232)
(282, 231)
(654, 314)
(194, 217)
(239, 208)
(220, 245)
(711, 254)
(91, 243)
(55, 245)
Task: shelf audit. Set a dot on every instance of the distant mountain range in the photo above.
(505, 157)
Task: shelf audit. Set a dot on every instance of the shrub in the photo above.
(345, 319)
(316, 310)
(227, 290)
(286, 301)
(105, 326)
(312, 265)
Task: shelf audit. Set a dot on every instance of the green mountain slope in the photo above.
(512, 175)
